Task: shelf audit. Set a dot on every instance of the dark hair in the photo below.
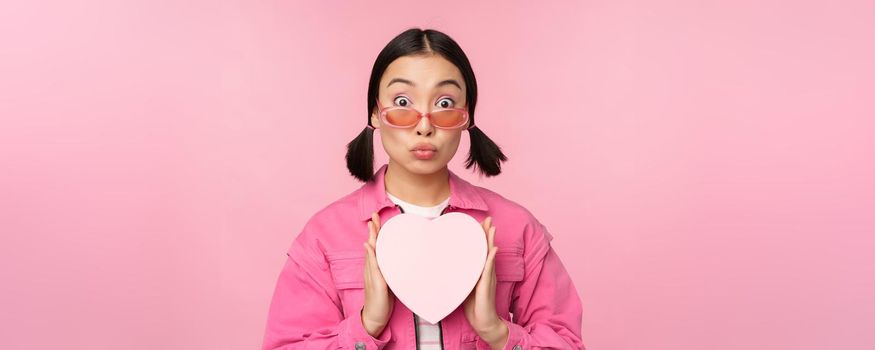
(360, 151)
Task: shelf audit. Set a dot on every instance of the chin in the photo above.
(425, 167)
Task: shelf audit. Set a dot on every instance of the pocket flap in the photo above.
(509, 264)
(347, 268)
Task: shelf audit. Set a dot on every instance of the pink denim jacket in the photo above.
(320, 291)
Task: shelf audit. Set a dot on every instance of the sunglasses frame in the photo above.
(385, 110)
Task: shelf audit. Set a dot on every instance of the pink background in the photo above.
(706, 167)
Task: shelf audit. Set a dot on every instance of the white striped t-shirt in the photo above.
(428, 335)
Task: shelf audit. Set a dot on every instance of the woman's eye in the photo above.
(446, 103)
(402, 101)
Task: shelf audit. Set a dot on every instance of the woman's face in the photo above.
(423, 83)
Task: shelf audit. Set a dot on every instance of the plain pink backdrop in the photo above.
(705, 166)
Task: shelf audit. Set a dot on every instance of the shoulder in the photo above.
(497, 201)
(513, 215)
(518, 232)
(345, 208)
(500, 204)
(327, 226)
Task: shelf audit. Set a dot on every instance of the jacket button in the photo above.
(361, 345)
(517, 347)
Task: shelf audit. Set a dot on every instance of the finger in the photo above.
(490, 262)
(372, 233)
(367, 264)
(486, 223)
(370, 258)
(494, 253)
(368, 250)
(376, 219)
(490, 238)
(374, 267)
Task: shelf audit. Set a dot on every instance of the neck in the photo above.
(424, 190)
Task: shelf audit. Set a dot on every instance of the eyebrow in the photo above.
(442, 83)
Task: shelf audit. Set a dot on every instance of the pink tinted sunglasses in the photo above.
(406, 117)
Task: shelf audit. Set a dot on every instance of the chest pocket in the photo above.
(347, 271)
(509, 270)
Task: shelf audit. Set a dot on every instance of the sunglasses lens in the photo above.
(448, 119)
(402, 117)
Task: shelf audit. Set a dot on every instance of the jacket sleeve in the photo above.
(547, 311)
(306, 311)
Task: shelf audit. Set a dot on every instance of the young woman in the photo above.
(331, 294)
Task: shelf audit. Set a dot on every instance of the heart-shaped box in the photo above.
(431, 265)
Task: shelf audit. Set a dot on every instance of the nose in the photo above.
(424, 127)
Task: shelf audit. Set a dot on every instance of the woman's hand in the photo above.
(379, 299)
(480, 304)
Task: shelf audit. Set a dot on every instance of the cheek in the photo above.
(451, 144)
(393, 143)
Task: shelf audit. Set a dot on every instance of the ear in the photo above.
(375, 120)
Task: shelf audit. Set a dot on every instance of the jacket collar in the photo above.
(373, 196)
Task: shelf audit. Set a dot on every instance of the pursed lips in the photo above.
(424, 147)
